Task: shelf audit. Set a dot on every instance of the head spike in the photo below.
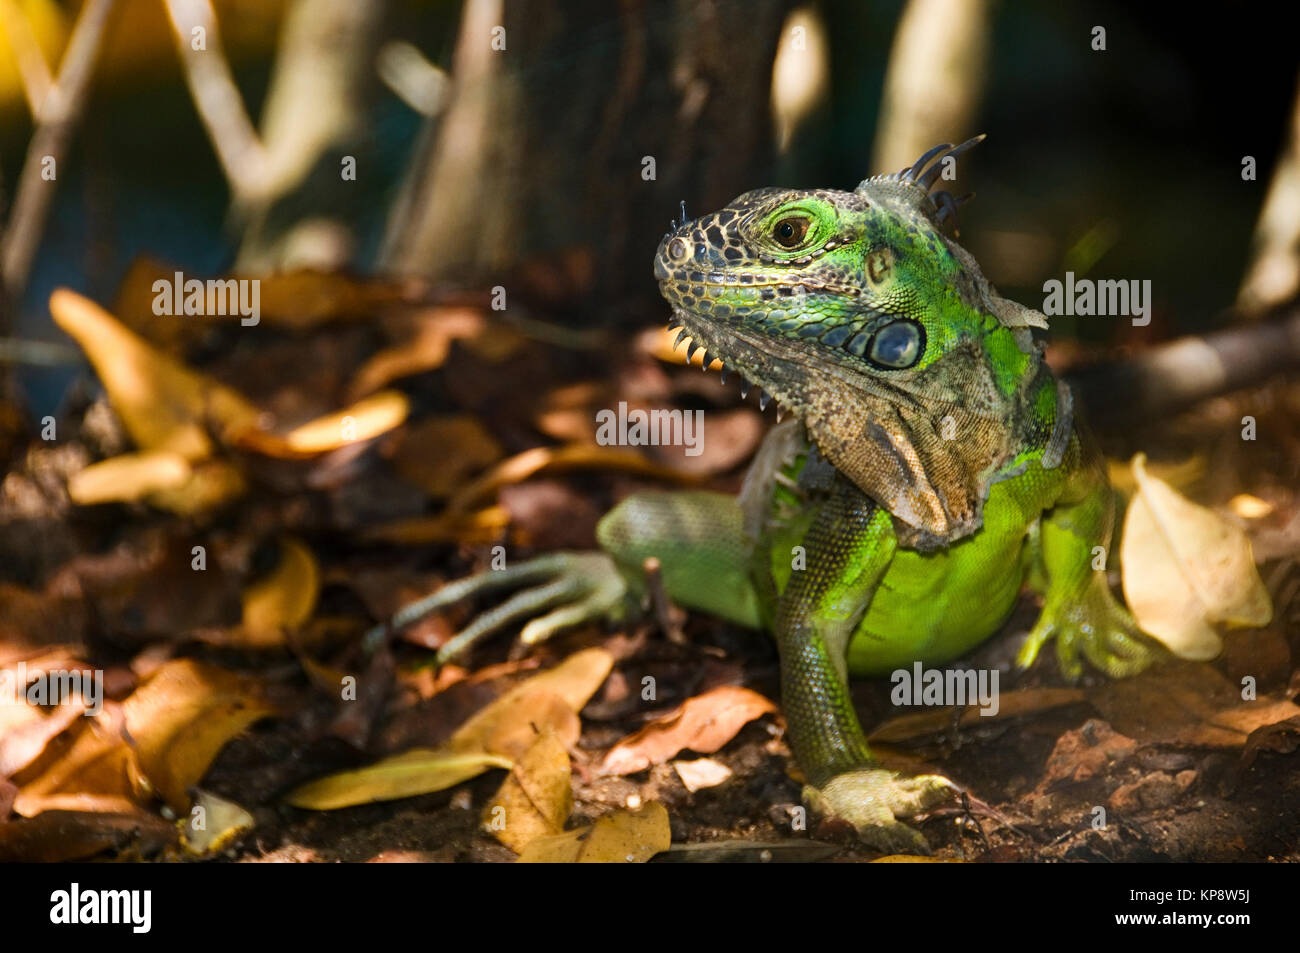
(928, 177)
(910, 174)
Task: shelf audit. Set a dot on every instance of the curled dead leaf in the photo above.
(1185, 569)
(163, 404)
(536, 797)
(282, 601)
(182, 716)
(704, 723)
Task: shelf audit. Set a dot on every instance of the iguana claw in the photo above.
(1092, 625)
(873, 799)
(576, 587)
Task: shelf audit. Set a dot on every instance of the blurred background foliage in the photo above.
(524, 166)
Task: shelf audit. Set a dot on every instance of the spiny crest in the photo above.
(912, 185)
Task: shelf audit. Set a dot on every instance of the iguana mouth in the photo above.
(784, 287)
(751, 365)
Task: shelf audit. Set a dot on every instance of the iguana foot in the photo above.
(575, 587)
(1092, 625)
(873, 799)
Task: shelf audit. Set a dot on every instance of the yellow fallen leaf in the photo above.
(210, 484)
(624, 837)
(1186, 568)
(480, 526)
(503, 725)
(418, 771)
(129, 477)
(916, 859)
(182, 717)
(497, 736)
(509, 725)
(536, 797)
(367, 418)
(283, 600)
(163, 404)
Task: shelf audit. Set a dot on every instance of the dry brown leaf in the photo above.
(59, 835)
(537, 796)
(622, 837)
(1186, 568)
(25, 729)
(439, 454)
(182, 717)
(704, 723)
(90, 768)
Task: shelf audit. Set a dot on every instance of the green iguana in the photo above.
(933, 465)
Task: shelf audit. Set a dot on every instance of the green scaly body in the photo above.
(949, 468)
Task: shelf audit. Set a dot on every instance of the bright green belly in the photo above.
(935, 607)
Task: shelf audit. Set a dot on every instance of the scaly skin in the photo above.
(932, 463)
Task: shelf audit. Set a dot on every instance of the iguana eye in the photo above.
(789, 232)
(897, 345)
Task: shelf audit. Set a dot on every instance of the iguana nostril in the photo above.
(678, 250)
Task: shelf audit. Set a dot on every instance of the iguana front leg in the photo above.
(1079, 610)
(847, 550)
(698, 538)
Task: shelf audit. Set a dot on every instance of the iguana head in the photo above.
(858, 313)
